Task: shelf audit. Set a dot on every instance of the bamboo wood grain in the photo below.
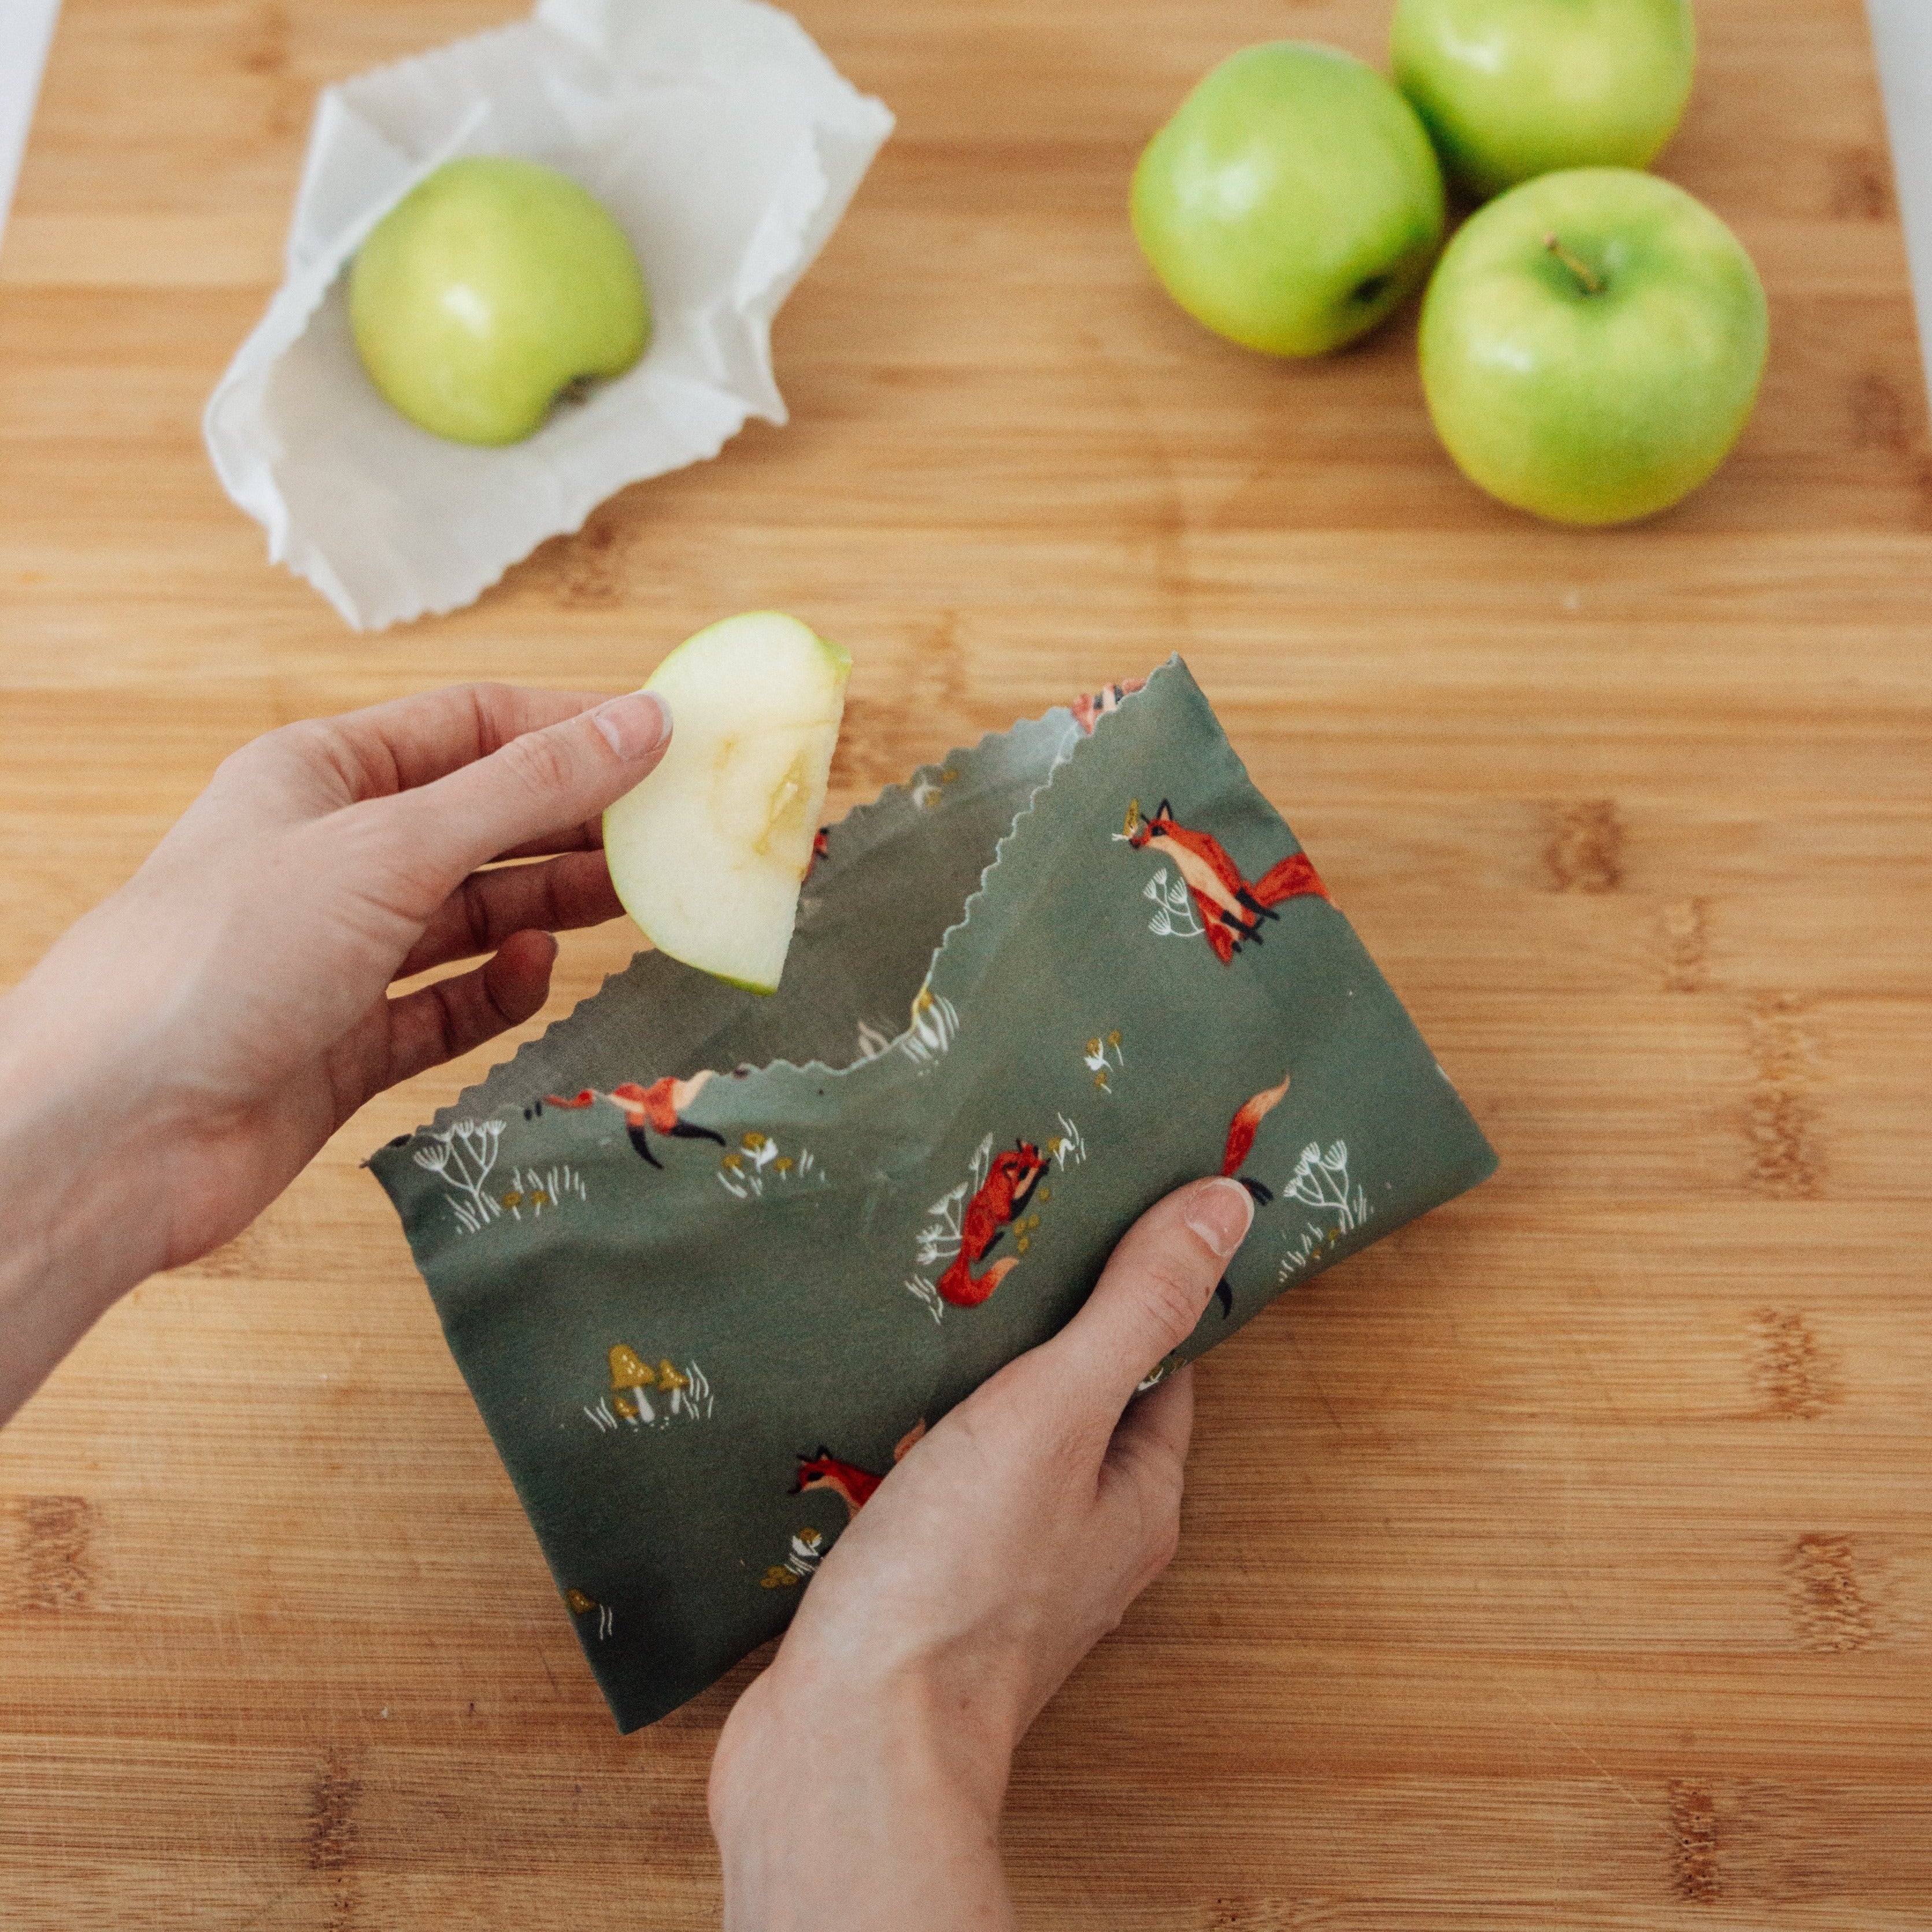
(1565, 1562)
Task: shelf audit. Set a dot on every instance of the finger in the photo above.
(558, 776)
(558, 895)
(587, 837)
(446, 1020)
(386, 748)
(1149, 1297)
(1146, 1464)
(1154, 1435)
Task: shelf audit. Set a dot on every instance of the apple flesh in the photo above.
(708, 853)
(491, 289)
(1592, 345)
(1511, 89)
(1292, 201)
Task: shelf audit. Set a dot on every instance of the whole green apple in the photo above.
(492, 288)
(1510, 89)
(1592, 345)
(1293, 200)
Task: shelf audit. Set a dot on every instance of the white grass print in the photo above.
(1067, 1148)
(935, 1025)
(756, 1161)
(1103, 1058)
(1174, 910)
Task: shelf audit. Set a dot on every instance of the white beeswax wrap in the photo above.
(726, 146)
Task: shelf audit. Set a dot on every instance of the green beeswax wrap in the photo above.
(709, 1261)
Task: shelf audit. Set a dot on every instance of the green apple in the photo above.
(491, 289)
(1592, 345)
(709, 853)
(1292, 201)
(1511, 89)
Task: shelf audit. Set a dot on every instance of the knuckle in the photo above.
(1164, 1545)
(540, 761)
(302, 744)
(1171, 1293)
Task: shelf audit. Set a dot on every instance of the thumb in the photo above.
(1150, 1295)
(536, 783)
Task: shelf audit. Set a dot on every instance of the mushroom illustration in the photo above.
(627, 1372)
(673, 1384)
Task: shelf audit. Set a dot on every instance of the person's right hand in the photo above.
(858, 1783)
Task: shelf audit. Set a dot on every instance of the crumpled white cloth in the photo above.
(724, 144)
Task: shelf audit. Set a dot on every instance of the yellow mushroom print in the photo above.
(581, 1604)
(628, 1371)
(688, 1392)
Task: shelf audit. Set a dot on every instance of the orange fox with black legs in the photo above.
(1004, 1194)
(1241, 1132)
(1229, 906)
(650, 1110)
(853, 1485)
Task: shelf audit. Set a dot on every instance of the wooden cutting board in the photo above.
(1565, 1562)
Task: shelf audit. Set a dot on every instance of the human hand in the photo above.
(224, 1012)
(859, 1780)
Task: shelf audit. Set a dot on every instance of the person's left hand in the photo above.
(229, 1008)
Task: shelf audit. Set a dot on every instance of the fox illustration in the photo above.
(650, 1110)
(1241, 1131)
(1004, 1193)
(852, 1485)
(1088, 712)
(1230, 908)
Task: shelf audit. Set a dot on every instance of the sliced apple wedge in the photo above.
(709, 853)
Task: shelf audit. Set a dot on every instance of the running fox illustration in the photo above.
(852, 1485)
(1230, 908)
(1241, 1131)
(1003, 1195)
(1088, 711)
(650, 1110)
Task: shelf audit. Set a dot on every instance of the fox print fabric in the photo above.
(710, 1262)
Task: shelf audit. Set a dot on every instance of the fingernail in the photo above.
(634, 726)
(1221, 1213)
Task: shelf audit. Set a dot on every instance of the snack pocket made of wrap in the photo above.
(709, 1260)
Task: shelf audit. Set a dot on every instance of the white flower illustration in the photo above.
(1174, 910)
(464, 1155)
(745, 1172)
(1320, 1181)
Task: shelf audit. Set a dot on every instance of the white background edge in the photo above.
(26, 32)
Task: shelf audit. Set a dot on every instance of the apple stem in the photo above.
(1592, 284)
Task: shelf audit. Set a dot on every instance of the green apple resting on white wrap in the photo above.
(709, 853)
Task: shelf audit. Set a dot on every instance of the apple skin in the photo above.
(1590, 408)
(1293, 200)
(493, 286)
(1511, 89)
